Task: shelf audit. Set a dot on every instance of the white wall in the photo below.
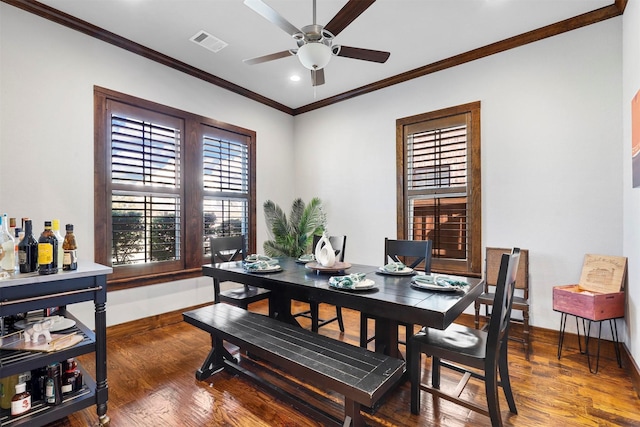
(551, 152)
(631, 232)
(551, 175)
(46, 138)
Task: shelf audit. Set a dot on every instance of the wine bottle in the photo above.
(47, 249)
(7, 247)
(69, 246)
(55, 226)
(12, 226)
(18, 236)
(28, 250)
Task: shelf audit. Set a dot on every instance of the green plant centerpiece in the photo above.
(293, 236)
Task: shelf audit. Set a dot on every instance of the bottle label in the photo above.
(21, 406)
(45, 253)
(67, 388)
(50, 393)
(70, 257)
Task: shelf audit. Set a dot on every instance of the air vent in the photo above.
(208, 41)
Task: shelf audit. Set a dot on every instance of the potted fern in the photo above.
(293, 236)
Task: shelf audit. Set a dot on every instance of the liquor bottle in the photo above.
(72, 377)
(55, 226)
(69, 246)
(28, 250)
(7, 247)
(47, 249)
(21, 401)
(52, 389)
(38, 383)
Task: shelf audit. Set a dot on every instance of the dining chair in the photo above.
(338, 243)
(485, 352)
(412, 253)
(232, 248)
(520, 301)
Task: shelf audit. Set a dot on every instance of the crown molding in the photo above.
(595, 16)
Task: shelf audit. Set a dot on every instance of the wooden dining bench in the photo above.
(358, 374)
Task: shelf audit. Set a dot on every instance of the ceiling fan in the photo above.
(315, 42)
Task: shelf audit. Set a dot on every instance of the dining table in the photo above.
(392, 298)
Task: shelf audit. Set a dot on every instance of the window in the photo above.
(165, 179)
(439, 185)
(225, 184)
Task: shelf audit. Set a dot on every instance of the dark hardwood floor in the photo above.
(151, 383)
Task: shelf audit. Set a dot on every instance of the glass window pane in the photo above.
(145, 229)
(144, 153)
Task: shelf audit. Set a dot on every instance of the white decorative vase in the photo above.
(325, 255)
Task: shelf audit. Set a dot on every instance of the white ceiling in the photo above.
(416, 32)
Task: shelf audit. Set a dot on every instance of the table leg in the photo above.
(587, 336)
(614, 333)
(563, 324)
(216, 290)
(387, 337)
(282, 308)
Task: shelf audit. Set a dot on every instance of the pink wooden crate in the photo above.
(589, 305)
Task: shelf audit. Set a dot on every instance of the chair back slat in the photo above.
(503, 302)
(339, 243)
(492, 267)
(225, 249)
(416, 250)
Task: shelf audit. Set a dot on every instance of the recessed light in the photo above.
(295, 78)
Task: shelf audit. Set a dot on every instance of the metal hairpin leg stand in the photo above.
(586, 327)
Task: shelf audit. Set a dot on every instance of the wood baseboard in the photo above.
(143, 325)
(632, 368)
(548, 336)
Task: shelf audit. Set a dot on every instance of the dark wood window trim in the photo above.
(192, 194)
(472, 266)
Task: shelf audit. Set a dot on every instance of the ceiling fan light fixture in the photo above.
(314, 56)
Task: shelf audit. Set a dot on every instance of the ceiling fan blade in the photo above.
(270, 57)
(364, 54)
(347, 14)
(317, 77)
(271, 15)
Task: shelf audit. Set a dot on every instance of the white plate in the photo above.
(404, 272)
(434, 287)
(62, 324)
(256, 258)
(270, 269)
(363, 285)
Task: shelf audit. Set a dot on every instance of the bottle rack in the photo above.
(28, 292)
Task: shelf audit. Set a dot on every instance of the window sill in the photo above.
(152, 279)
